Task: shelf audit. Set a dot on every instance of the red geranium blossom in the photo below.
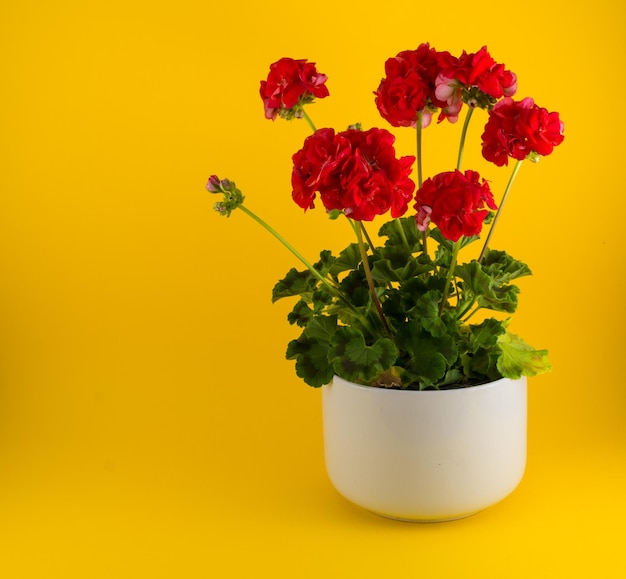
(454, 202)
(289, 83)
(409, 87)
(518, 128)
(354, 171)
(481, 70)
(478, 78)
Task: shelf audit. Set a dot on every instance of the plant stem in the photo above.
(402, 234)
(476, 309)
(418, 134)
(291, 248)
(367, 237)
(516, 169)
(370, 280)
(420, 178)
(307, 118)
(331, 286)
(468, 116)
(455, 253)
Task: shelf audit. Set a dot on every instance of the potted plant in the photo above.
(407, 333)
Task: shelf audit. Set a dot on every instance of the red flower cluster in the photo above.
(425, 80)
(454, 202)
(519, 128)
(409, 87)
(289, 83)
(478, 70)
(354, 171)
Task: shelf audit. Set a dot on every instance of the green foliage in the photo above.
(355, 360)
(426, 358)
(412, 338)
(348, 259)
(481, 354)
(295, 283)
(519, 359)
(311, 351)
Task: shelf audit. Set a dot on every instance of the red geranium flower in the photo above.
(518, 128)
(480, 70)
(289, 85)
(409, 87)
(319, 157)
(354, 171)
(476, 78)
(454, 202)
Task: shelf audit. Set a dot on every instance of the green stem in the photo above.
(455, 253)
(468, 116)
(331, 286)
(516, 169)
(420, 177)
(367, 237)
(307, 118)
(402, 234)
(370, 280)
(461, 311)
(291, 248)
(418, 132)
(476, 309)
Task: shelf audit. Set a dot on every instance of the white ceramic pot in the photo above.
(425, 455)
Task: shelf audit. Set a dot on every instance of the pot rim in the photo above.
(446, 391)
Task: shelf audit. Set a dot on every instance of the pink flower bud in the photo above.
(213, 184)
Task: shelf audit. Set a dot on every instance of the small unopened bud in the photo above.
(227, 185)
(213, 184)
(233, 197)
(221, 208)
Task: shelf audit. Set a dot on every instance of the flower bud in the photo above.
(213, 184)
(233, 197)
(221, 207)
(226, 185)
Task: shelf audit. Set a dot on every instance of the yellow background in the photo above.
(149, 424)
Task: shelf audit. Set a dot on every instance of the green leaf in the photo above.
(382, 271)
(321, 298)
(295, 283)
(482, 351)
(453, 376)
(446, 243)
(487, 292)
(321, 328)
(354, 360)
(349, 259)
(311, 351)
(300, 315)
(485, 334)
(354, 285)
(519, 359)
(500, 266)
(397, 264)
(426, 312)
(393, 230)
(324, 265)
(428, 357)
(481, 365)
(311, 358)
